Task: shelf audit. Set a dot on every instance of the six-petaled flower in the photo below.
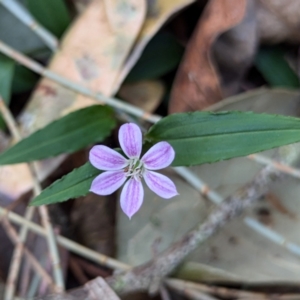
(131, 170)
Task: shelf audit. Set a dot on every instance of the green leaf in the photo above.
(53, 14)
(24, 80)
(73, 185)
(162, 54)
(66, 135)
(271, 63)
(205, 137)
(7, 67)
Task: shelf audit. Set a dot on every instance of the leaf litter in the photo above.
(220, 61)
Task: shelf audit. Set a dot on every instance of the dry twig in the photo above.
(9, 293)
(34, 263)
(150, 275)
(25, 17)
(68, 244)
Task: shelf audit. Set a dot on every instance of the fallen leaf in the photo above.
(197, 83)
(235, 50)
(158, 12)
(92, 219)
(278, 205)
(91, 53)
(236, 249)
(146, 94)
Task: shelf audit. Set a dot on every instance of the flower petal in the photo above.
(104, 158)
(159, 156)
(130, 138)
(132, 197)
(108, 182)
(160, 184)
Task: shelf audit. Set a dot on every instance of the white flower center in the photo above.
(135, 169)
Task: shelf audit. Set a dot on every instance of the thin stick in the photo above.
(216, 198)
(111, 101)
(54, 254)
(150, 275)
(275, 164)
(183, 286)
(25, 17)
(17, 258)
(116, 103)
(34, 263)
(18, 251)
(68, 244)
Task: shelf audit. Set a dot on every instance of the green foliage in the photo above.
(205, 137)
(53, 14)
(162, 55)
(73, 185)
(271, 63)
(199, 137)
(66, 135)
(24, 80)
(7, 67)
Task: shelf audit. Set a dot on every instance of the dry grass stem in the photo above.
(66, 243)
(26, 18)
(34, 263)
(54, 254)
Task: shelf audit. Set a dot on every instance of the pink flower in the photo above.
(120, 169)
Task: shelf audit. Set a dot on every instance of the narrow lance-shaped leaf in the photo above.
(66, 135)
(205, 137)
(73, 185)
(272, 64)
(200, 137)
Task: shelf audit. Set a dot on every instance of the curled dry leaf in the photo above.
(146, 94)
(92, 53)
(235, 50)
(197, 84)
(158, 12)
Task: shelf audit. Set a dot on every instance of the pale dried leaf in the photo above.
(236, 248)
(92, 53)
(158, 12)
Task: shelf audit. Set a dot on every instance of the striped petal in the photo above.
(130, 138)
(104, 158)
(108, 182)
(160, 184)
(159, 156)
(132, 197)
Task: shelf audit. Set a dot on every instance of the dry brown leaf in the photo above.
(234, 51)
(146, 94)
(92, 53)
(197, 84)
(279, 206)
(92, 219)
